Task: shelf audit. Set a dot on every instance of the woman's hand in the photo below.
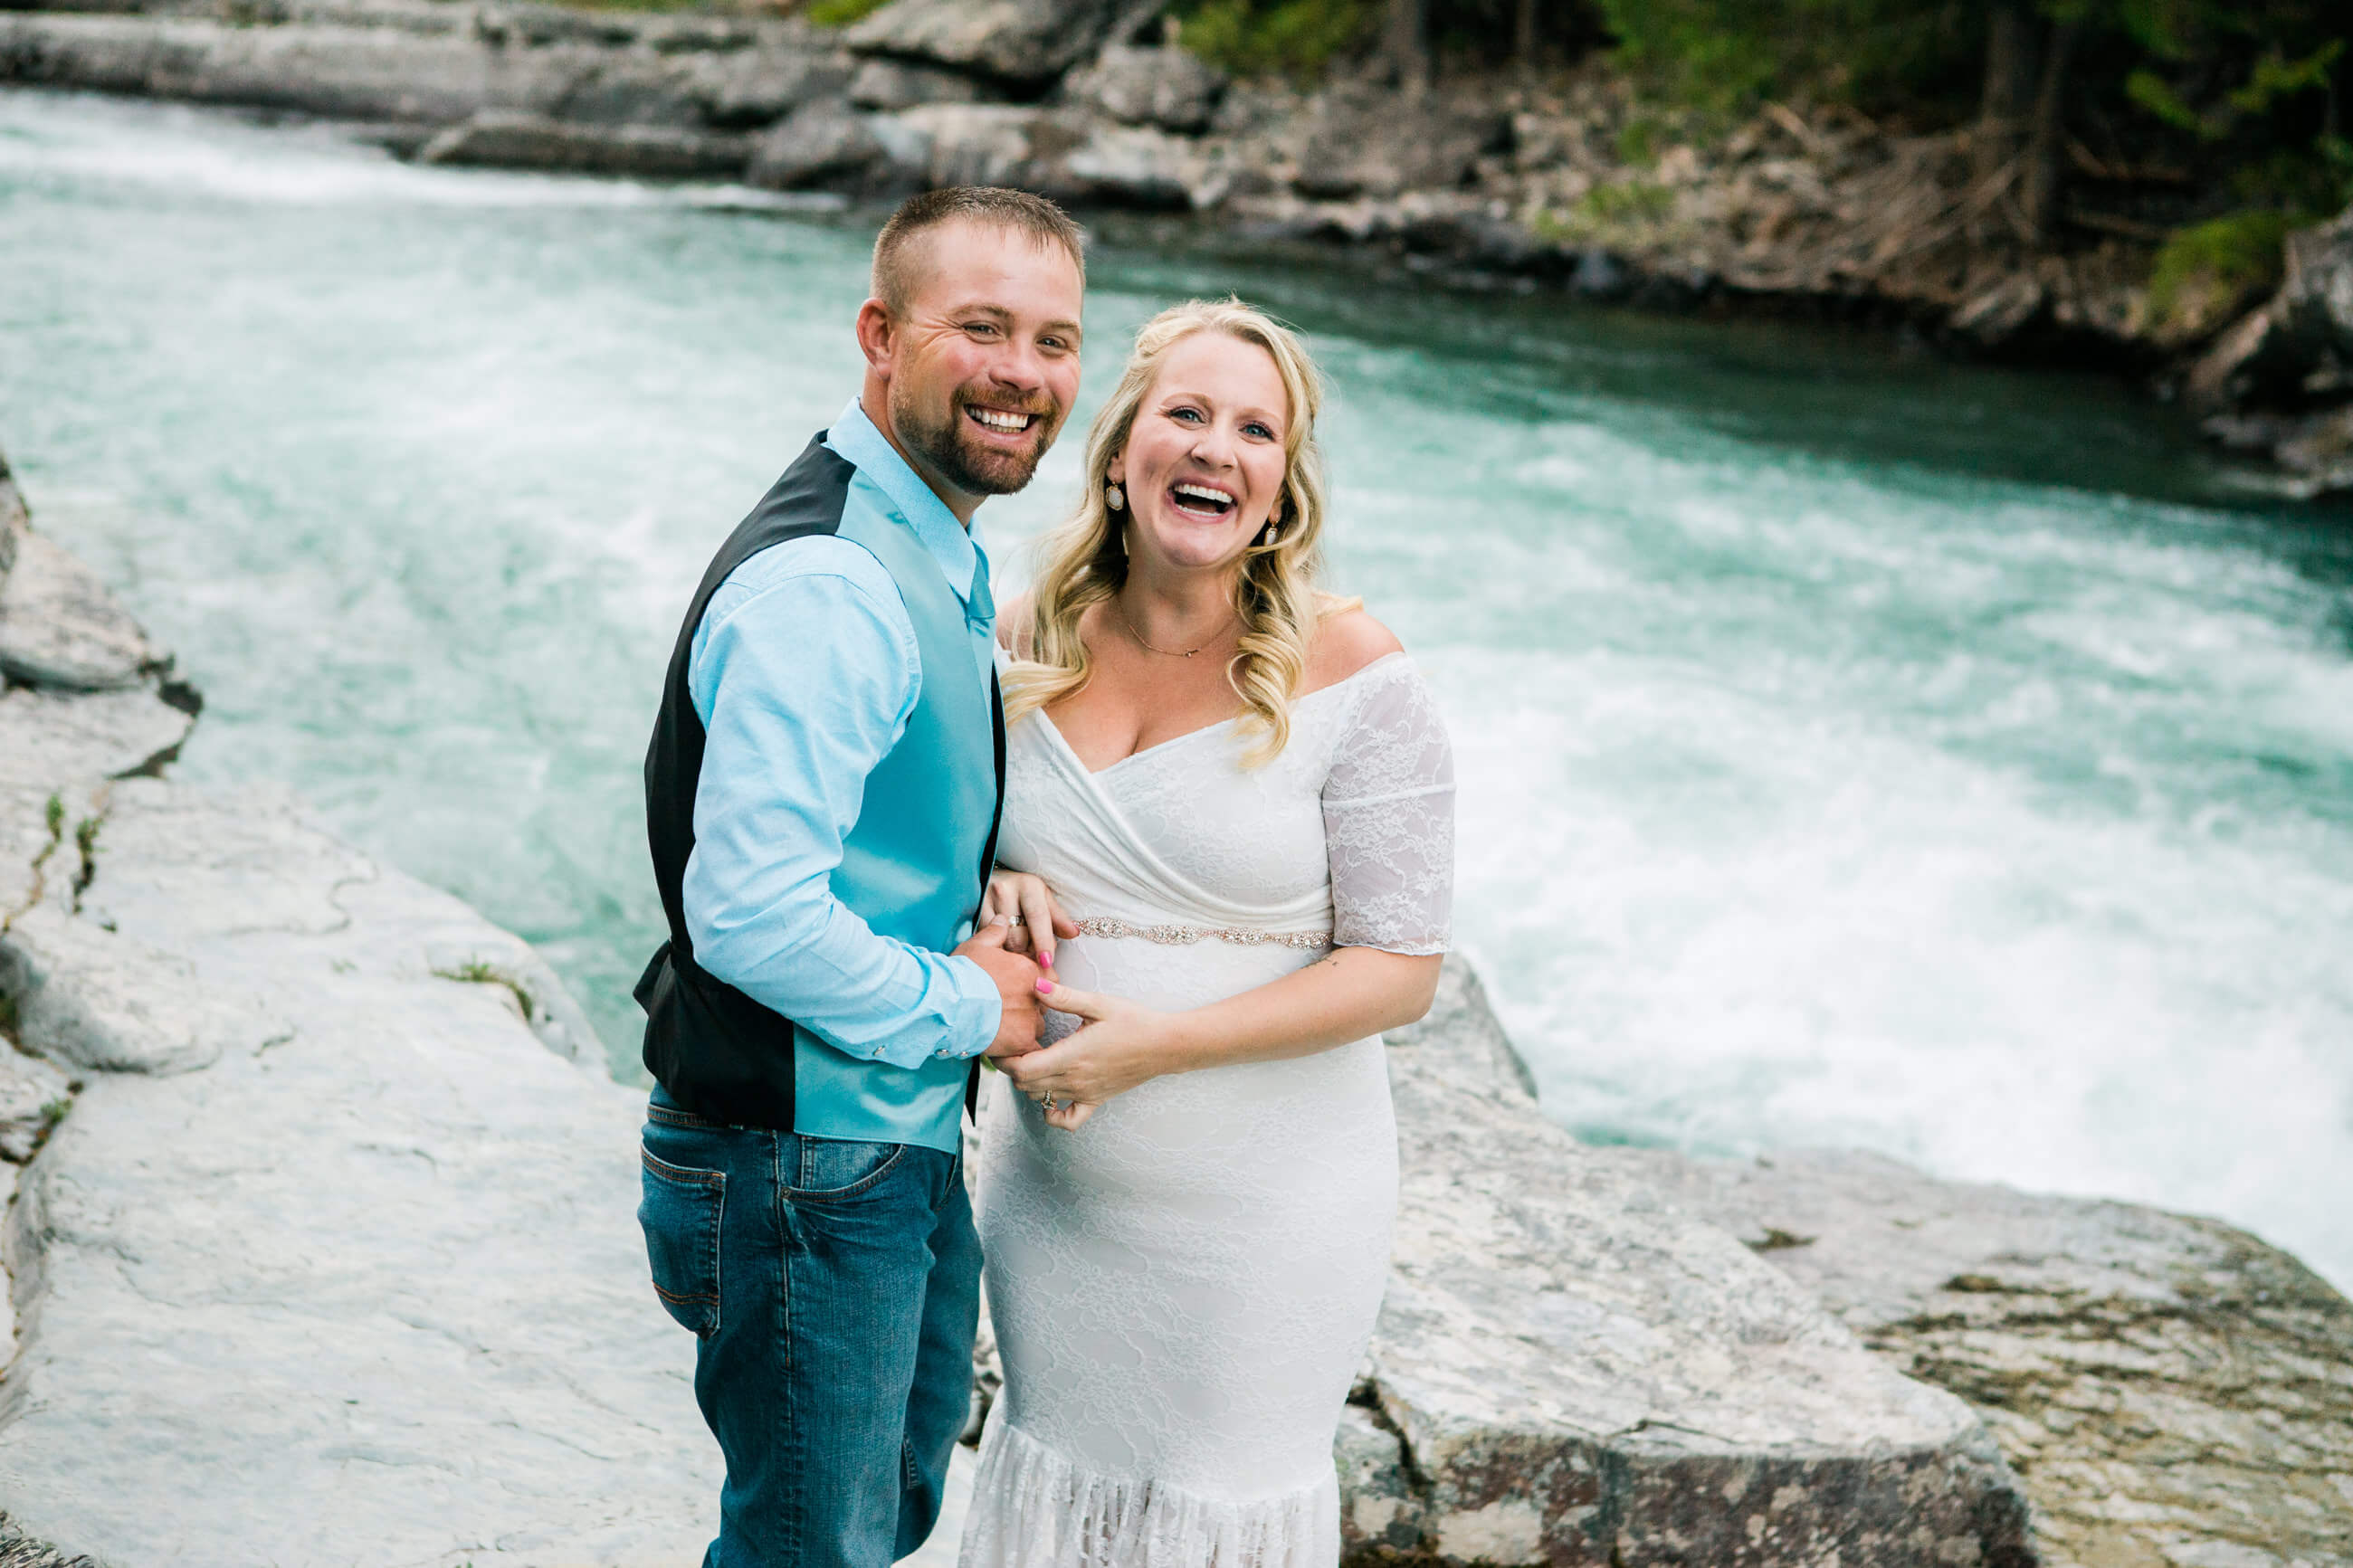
(1023, 901)
(1122, 1044)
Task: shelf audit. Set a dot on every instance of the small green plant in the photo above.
(85, 836)
(56, 812)
(54, 1113)
(1627, 201)
(481, 972)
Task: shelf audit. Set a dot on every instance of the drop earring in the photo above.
(1114, 498)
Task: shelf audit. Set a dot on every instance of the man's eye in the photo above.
(977, 328)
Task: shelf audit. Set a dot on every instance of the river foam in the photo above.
(1856, 749)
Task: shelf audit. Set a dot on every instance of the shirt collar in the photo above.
(955, 547)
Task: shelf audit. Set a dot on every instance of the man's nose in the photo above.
(1018, 367)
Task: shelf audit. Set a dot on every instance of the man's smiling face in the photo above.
(984, 358)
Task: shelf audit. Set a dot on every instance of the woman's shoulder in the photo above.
(1347, 640)
(1013, 625)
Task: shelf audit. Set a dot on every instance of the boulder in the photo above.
(92, 999)
(1064, 153)
(1569, 1370)
(889, 86)
(58, 626)
(341, 72)
(374, 1286)
(1359, 143)
(744, 89)
(1023, 42)
(2295, 345)
(2315, 302)
(2171, 1390)
(502, 138)
(827, 145)
(1167, 87)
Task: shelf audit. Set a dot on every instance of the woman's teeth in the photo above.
(1202, 498)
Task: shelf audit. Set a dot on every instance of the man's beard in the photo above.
(959, 453)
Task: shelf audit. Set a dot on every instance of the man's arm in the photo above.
(804, 672)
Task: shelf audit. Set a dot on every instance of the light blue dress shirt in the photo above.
(804, 671)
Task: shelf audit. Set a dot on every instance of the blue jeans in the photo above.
(834, 1287)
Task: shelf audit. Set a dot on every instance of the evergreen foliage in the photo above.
(1296, 38)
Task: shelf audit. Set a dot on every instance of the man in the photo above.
(822, 794)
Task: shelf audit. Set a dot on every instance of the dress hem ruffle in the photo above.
(1033, 1508)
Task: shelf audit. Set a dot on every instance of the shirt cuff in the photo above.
(973, 1011)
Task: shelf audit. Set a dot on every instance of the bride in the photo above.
(1239, 791)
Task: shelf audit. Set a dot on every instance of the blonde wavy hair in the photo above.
(1084, 562)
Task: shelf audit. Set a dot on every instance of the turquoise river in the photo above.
(1857, 748)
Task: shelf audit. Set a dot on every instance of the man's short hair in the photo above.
(894, 266)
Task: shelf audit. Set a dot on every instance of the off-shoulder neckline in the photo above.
(1302, 699)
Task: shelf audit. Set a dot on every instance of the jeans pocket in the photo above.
(679, 1210)
(842, 1167)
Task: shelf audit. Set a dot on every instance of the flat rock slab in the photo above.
(366, 1289)
(2172, 1392)
(59, 626)
(1572, 1370)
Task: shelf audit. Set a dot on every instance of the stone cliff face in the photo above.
(1081, 100)
(321, 1250)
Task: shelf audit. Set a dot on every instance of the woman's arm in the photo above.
(1353, 993)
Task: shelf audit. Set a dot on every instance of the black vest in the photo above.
(714, 1050)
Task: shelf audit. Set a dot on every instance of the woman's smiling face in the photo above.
(1204, 462)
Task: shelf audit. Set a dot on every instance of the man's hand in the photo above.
(1016, 987)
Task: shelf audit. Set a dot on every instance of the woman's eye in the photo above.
(1259, 430)
(1192, 413)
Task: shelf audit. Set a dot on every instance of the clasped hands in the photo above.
(1118, 1046)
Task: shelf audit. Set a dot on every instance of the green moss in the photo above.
(2241, 252)
(476, 972)
(54, 1113)
(57, 817)
(1607, 212)
(841, 13)
(1265, 37)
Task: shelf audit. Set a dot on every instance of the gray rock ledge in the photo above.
(331, 1260)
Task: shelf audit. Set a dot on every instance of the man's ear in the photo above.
(878, 336)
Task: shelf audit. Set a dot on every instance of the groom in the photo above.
(822, 796)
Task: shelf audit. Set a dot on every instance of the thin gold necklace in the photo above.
(1163, 652)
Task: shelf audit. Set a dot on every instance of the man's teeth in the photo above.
(998, 420)
(1218, 499)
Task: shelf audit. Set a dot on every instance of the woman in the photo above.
(1240, 791)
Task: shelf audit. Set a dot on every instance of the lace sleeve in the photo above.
(1389, 819)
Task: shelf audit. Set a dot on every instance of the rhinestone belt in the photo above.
(1176, 936)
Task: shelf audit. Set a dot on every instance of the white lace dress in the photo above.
(1183, 1288)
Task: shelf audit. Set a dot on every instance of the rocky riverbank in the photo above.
(321, 1250)
(1560, 182)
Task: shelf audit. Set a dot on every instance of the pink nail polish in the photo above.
(1045, 961)
(1045, 988)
